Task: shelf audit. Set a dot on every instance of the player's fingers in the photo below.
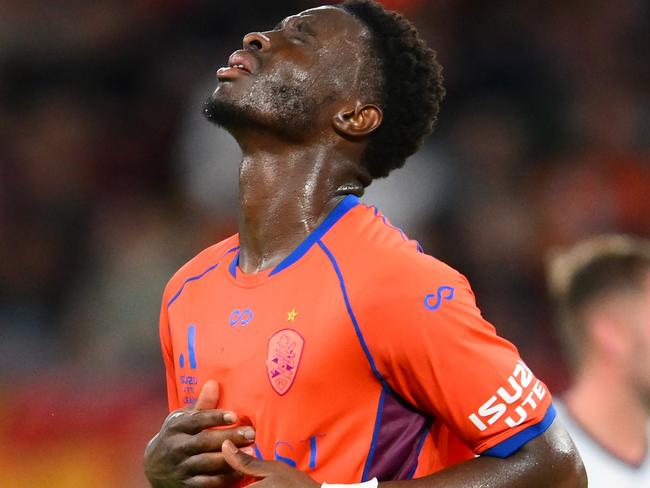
(259, 484)
(212, 440)
(244, 463)
(205, 463)
(213, 481)
(194, 421)
(209, 396)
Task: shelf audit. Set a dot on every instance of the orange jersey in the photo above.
(357, 356)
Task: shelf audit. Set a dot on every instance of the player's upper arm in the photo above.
(433, 347)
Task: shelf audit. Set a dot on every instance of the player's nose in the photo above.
(257, 42)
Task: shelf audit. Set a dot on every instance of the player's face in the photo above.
(640, 359)
(294, 78)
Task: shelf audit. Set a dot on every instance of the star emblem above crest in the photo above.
(291, 316)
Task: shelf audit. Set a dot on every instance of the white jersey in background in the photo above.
(604, 469)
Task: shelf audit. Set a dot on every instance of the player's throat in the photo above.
(283, 198)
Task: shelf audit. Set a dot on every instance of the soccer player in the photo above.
(341, 349)
(602, 290)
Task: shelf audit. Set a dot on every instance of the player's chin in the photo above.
(227, 93)
(232, 92)
(225, 110)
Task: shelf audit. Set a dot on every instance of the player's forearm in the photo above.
(549, 460)
(492, 472)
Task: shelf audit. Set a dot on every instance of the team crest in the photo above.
(283, 358)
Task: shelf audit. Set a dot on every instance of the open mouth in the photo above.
(240, 63)
(240, 66)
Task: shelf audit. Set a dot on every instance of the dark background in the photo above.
(110, 180)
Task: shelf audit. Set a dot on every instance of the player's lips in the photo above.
(240, 63)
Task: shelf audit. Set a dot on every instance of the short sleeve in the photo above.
(168, 357)
(433, 348)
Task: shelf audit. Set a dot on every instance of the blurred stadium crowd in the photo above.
(110, 180)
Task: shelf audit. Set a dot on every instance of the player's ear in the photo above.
(359, 120)
(609, 337)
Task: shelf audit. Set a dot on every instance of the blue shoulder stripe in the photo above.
(375, 435)
(388, 224)
(362, 341)
(353, 318)
(198, 277)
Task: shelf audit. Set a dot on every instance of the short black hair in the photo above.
(410, 89)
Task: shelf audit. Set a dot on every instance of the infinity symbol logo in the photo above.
(241, 317)
(443, 293)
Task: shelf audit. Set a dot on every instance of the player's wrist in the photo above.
(373, 483)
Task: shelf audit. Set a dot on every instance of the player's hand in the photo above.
(186, 454)
(271, 474)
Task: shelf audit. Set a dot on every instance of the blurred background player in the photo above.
(602, 291)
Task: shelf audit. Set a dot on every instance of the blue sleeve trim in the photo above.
(517, 441)
(349, 202)
(198, 277)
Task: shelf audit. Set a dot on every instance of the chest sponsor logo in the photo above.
(188, 382)
(283, 359)
(302, 455)
(191, 349)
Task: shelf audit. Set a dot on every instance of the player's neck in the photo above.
(607, 408)
(284, 194)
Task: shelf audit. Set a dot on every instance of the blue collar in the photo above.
(349, 202)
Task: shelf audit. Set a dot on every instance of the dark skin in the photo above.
(187, 448)
(314, 159)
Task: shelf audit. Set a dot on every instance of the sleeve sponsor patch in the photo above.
(512, 403)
